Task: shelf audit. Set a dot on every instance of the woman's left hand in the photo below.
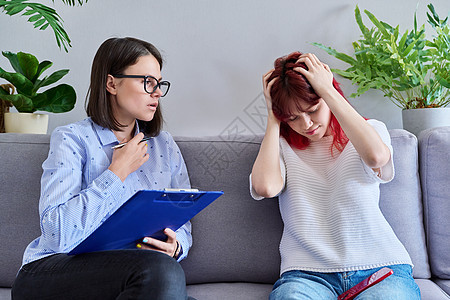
(318, 74)
(168, 247)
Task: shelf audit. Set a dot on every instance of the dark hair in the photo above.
(291, 86)
(113, 57)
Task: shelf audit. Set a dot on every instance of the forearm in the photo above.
(363, 136)
(267, 180)
(67, 214)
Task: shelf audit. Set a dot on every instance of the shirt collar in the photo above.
(106, 135)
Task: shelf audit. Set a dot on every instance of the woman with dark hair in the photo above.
(325, 162)
(85, 179)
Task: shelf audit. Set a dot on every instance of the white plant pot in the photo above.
(416, 120)
(26, 123)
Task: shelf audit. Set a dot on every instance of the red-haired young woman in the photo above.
(325, 162)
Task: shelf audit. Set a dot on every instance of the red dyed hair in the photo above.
(293, 86)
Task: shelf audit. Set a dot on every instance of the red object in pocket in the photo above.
(366, 283)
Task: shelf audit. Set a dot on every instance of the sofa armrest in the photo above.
(434, 158)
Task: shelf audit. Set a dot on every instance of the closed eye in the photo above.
(312, 111)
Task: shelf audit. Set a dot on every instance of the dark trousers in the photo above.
(120, 274)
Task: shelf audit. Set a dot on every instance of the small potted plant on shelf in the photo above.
(409, 68)
(27, 100)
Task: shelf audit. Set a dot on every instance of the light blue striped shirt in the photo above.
(78, 192)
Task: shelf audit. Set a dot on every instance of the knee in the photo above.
(162, 269)
(22, 288)
(16, 290)
(302, 288)
(153, 275)
(393, 288)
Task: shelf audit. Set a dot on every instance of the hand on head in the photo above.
(267, 85)
(296, 77)
(317, 73)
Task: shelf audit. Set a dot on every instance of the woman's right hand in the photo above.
(266, 172)
(129, 158)
(266, 89)
(267, 86)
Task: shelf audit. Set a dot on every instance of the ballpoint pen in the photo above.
(123, 144)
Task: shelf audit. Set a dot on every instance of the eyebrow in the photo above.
(159, 79)
(142, 75)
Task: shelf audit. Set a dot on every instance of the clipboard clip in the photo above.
(178, 196)
(180, 190)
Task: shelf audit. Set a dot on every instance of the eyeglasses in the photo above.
(150, 83)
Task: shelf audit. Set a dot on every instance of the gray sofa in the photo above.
(235, 251)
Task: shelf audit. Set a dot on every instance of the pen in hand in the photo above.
(123, 144)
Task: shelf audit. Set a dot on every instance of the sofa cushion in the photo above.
(250, 253)
(245, 291)
(434, 147)
(5, 293)
(22, 157)
(401, 201)
(254, 258)
(239, 291)
(444, 284)
(429, 290)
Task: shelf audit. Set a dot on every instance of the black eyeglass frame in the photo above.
(145, 77)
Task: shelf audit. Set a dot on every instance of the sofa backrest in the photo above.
(249, 251)
(236, 238)
(21, 157)
(401, 200)
(434, 148)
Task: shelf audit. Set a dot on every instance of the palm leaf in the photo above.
(41, 16)
(72, 2)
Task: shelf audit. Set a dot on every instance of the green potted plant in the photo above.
(27, 100)
(42, 17)
(409, 68)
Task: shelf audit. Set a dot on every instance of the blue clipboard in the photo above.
(146, 213)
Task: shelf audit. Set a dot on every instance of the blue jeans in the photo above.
(317, 286)
(119, 274)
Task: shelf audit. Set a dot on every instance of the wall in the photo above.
(215, 51)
